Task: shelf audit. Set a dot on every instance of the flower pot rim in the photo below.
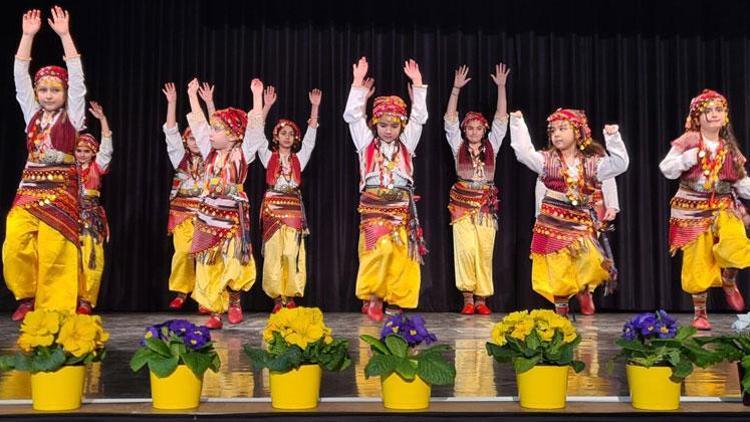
(292, 369)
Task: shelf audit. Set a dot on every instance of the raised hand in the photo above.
(269, 96)
(170, 92)
(193, 87)
(96, 110)
(31, 22)
(60, 21)
(206, 92)
(611, 129)
(359, 70)
(315, 96)
(459, 79)
(369, 83)
(256, 87)
(501, 74)
(411, 68)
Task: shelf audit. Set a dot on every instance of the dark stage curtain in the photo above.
(636, 63)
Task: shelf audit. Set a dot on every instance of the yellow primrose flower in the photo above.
(498, 334)
(82, 334)
(41, 323)
(523, 329)
(546, 334)
(299, 326)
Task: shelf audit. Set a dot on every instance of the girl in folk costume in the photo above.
(282, 212)
(567, 257)
(390, 241)
(93, 162)
(474, 197)
(221, 242)
(606, 205)
(184, 199)
(706, 218)
(40, 252)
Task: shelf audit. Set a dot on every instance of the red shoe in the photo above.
(214, 322)
(84, 307)
(375, 311)
(234, 314)
(291, 304)
(365, 306)
(277, 307)
(700, 322)
(468, 309)
(177, 302)
(203, 310)
(482, 309)
(24, 307)
(734, 298)
(586, 301)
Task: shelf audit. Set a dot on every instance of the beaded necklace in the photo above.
(574, 185)
(711, 165)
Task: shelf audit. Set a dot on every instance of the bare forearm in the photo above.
(69, 46)
(24, 46)
(106, 132)
(171, 114)
(452, 111)
(502, 102)
(313, 121)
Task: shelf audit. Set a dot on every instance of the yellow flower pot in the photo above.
(543, 387)
(402, 394)
(296, 389)
(180, 390)
(59, 390)
(651, 388)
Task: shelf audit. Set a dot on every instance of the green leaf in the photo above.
(258, 357)
(522, 364)
(7, 363)
(682, 370)
(161, 366)
(291, 358)
(197, 362)
(380, 365)
(375, 344)
(397, 345)
(577, 366)
(48, 360)
(533, 341)
(159, 347)
(407, 368)
(500, 353)
(140, 358)
(435, 370)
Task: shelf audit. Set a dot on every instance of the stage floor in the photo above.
(478, 377)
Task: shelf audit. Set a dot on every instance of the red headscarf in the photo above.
(579, 121)
(234, 121)
(698, 104)
(88, 140)
(392, 105)
(284, 123)
(53, 71)
(474, 116)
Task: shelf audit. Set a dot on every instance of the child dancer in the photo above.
(221, 243)
(566, 255)
(474, 197)
(282, 211)
(93, 162)
(40, 252)
(390, 241)
(706, 221)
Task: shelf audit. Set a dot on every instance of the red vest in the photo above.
(62, 134)
(465, 165)
(273, 171)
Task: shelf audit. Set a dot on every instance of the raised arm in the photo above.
(269, 99)
(417, 119)
(308, 141)
(197, 120)
(254, 136)
(175, 148)
(451, 125)
(104, 156)
(617, 161)
(354, 113)
(500, 121)
(31, 22)
(206, 92)
(60, 23)
(520, 141)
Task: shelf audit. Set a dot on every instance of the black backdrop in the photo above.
(637, 63)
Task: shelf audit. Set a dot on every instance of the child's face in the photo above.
(192, 144)
(474, 131)
(561, 134)
(713, 117)
(285, 136)
(84, 154)
(220, 140)
(50, 93)
(388, 128)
